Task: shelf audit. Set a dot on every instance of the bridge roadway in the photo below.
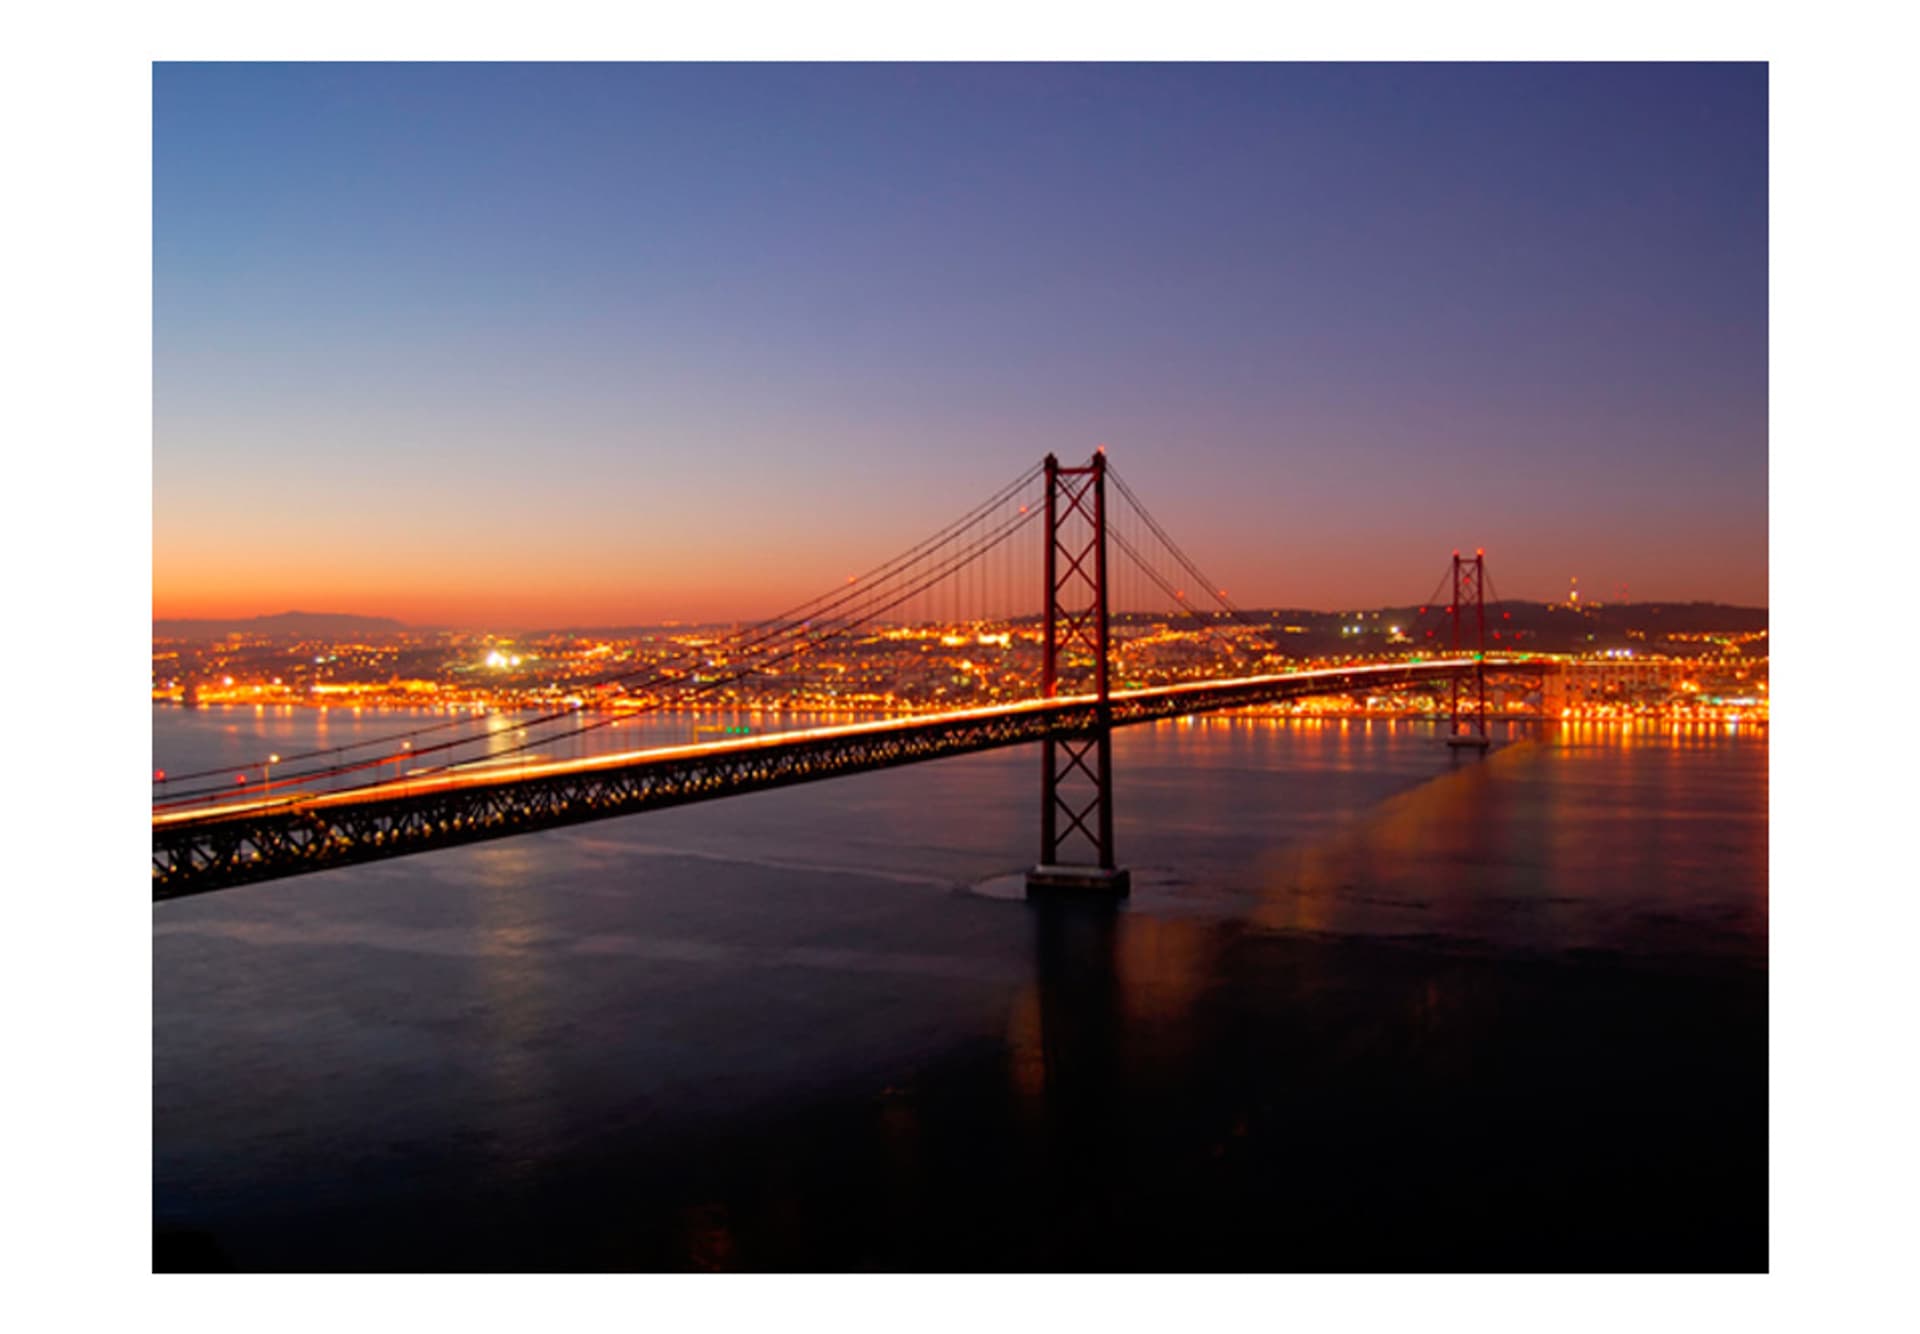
(197, 851)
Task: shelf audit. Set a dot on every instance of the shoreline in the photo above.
(843, 711)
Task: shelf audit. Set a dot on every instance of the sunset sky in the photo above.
(543, 345)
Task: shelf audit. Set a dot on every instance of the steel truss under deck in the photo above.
(223, 849)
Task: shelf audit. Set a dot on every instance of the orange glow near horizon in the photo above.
(464, 592)
(514, 588)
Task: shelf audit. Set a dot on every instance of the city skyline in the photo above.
(951, 667)
(538, 346)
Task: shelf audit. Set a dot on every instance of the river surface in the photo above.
(1372, 1005)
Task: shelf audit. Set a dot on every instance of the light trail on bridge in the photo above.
(196, 852)
(215, 837)
(806, 628)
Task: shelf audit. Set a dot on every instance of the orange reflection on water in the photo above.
(517, 1004)
(1112, 991)
(1431, 836)
(1161, 965)
(1027, 1047)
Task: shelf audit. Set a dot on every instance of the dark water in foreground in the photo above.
(1370, 1007)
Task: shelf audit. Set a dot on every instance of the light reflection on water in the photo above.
(1593, 836)
(496, 1014)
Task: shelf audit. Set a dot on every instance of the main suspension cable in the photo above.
(858, 586)
(979, 548)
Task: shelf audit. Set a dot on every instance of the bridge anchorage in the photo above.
(1076, 771)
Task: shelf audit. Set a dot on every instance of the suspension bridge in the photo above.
(1078, 536)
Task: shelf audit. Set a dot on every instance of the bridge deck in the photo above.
(197, 851)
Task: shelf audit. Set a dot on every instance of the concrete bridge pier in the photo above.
(1047, 880)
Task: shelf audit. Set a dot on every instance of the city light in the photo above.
(932, 668)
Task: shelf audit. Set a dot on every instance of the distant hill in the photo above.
(284, 625)
(1555, 620)
(1687, 616)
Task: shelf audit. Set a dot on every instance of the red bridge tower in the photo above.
(1469, 727)
(1076, 797)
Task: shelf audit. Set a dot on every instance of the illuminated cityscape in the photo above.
(948, 667)
(1680, 675)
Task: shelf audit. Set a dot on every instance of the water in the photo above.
(1371, 1005)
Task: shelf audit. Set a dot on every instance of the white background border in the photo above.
(77, 102)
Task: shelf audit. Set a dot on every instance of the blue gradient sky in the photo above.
(546, 344)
